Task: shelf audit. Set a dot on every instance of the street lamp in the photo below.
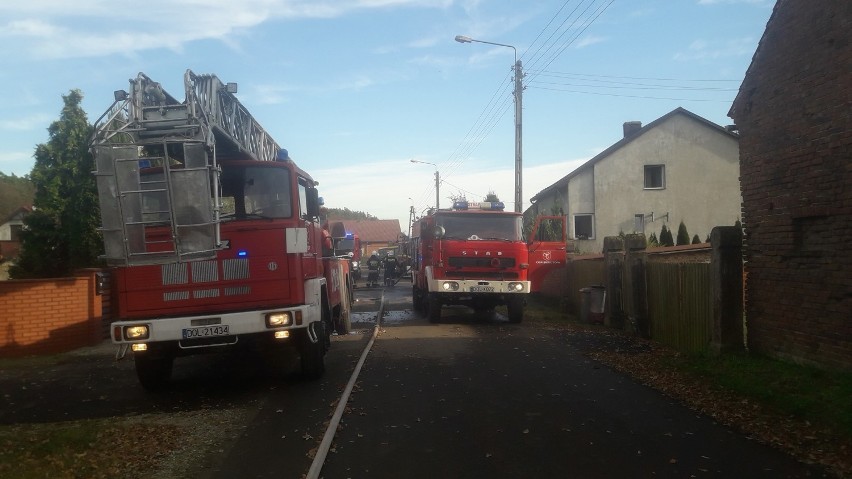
(437, 183)
(519, 89)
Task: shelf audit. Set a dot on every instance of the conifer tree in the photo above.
(682, 235)
(60, 235)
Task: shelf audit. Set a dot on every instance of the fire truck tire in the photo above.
(515, 308)
(417, 300)
(154, 373)
(313, 354)
(343, 323)
(434, 308)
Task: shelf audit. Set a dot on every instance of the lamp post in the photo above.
(437, 183)
(519, 97)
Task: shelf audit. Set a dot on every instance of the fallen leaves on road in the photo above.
(650, 363)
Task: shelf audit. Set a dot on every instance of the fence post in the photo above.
(636, 289)
(613, 250)
(727, 264)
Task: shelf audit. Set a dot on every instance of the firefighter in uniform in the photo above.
(390, 268)
(373, 270)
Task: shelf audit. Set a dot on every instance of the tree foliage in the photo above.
(666, 238)
(347, 214)
(682, 235)
(492, 197)
(653, 241)
(15, 192)
(696, 240)
(61, 235)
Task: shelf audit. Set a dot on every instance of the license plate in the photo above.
(206, 331)
(482, 289)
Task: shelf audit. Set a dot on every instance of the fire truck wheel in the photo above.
(343, 323)
(515, 308)
(417, 300)
(434, 308)
(154, 373)
(313, 355)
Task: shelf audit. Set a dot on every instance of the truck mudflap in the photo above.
(200, 331)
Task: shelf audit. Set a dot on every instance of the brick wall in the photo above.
(795, 153)
(50, 315)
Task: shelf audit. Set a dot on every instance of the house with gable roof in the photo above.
(374, 234)
(679, 167)
(10, 231)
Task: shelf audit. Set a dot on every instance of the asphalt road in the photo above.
(468, 398)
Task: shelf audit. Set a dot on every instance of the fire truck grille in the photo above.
(493, 275)
(235, 268)
(204, 271)
(482, 262)
(174, 273)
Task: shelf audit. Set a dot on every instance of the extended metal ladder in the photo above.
(157, 169)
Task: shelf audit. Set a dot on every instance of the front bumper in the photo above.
(226, 324)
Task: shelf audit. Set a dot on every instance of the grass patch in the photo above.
(101, 448)
(815, 395)
(545, 310)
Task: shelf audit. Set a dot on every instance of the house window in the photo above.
(639, 223)
(584, 227)
(15, 231)
(655, 177)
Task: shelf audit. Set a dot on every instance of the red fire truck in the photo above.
(474, 255)
(212, 232)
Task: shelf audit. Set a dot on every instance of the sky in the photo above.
(357, 89)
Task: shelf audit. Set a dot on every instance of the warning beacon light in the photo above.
(482, 205)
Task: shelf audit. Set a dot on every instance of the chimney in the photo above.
(631, 127)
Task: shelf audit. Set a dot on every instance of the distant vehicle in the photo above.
(212, 231)
(474, 255)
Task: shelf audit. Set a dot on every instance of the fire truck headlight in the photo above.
(450, 286)
(135, 333)
(516, 286)
(276, 320)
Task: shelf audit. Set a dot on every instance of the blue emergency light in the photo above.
(242, 253)
(483, 205)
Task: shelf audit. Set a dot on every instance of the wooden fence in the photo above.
(687, 297)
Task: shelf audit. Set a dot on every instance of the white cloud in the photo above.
(388, 188)
(27, 123)
(705, 50)
(51, 29)
(589, 40)
(19, 163)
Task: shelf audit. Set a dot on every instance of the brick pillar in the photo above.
(613, 251)
(95, 304)
(636, 287)
(727, 264)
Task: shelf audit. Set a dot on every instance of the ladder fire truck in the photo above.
(212, 233)
(474, 255)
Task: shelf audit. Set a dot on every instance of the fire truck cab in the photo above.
(212, 232)
(473, 255)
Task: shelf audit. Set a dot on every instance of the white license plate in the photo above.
(206, 331)
(482, 289)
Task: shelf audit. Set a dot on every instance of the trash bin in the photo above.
(597, 303)
(585, 304)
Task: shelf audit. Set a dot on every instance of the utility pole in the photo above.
(519, 150)
(437, 189)
(519, 93)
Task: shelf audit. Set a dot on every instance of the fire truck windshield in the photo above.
(255, 192)
(485, 226)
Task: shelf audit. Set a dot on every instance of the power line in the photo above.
(645, 97)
